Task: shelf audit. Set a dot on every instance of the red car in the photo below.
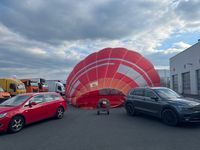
(27, 108)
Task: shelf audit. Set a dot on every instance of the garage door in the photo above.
(186, 83)
(175, 82)
(198, 81)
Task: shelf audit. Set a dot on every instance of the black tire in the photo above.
(108, 112)
(98, 113)
(130, 110)
(170, 117)
(16, 124)
(60, 113)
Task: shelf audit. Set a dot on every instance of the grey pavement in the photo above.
(84, 130)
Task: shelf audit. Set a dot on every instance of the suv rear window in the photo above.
(138, 92)
(149, 93)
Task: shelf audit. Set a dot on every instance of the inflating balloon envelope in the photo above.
(109, 73)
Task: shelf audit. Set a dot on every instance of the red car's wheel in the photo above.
(60, 113)
(16, 124)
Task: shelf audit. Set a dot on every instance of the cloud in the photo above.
(176, 48)
(38, 37)
(188, 10)
(31, 58)
(160, 58)
(55, 21)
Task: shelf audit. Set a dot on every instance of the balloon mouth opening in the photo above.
(90, 99)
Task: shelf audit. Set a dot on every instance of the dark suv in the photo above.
(163, 103)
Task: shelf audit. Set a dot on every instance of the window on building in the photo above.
(186, 82)
(198, 81)
(175, 82)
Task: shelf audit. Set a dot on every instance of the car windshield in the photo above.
(15, 101)
(62, 87)
(21, 87)
(45, 85)
(1, 89)
(34, 84)
(167, 93)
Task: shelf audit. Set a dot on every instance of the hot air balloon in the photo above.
(109, 73)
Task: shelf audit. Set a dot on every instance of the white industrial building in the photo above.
(185, 71)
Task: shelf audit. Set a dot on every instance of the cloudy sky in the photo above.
(46, 38)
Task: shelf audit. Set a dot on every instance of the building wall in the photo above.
(186, 61)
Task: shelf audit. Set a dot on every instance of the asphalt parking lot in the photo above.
(84, 130)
